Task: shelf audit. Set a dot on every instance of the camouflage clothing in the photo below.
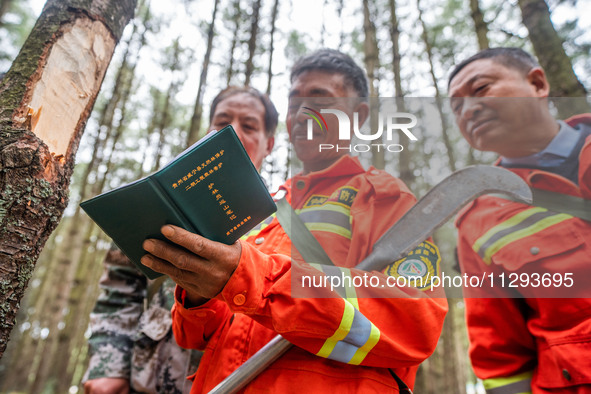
(132, 341)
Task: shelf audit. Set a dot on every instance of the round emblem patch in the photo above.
(421, 264)
(412, 268)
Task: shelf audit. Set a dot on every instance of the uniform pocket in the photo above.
(528, 245)
(155, 323)
(565, 362)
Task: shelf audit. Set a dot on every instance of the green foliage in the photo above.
(296, 45)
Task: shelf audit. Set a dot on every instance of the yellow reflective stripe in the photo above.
(340, 333)
(517, 384)
(350, 291)
(493, 383)
(521, 216)
(363, 351)
(329, 206)
(517, 235)
(344, 329)
(330, 228)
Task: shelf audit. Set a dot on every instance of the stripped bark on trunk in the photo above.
(45, 100)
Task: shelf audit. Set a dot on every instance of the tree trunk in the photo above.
(45, 100)
(195, 126)
(438, 98)
(4, 7)
(395, 38)
(166, 115)
(340, 6)
(252, 41)
(372, 64)
(272, 46)
(235, 33)
(59, 311)
(480, 26)
(548, 48)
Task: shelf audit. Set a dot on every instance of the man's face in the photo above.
(247, 115)
(490, 123)
(319, 90)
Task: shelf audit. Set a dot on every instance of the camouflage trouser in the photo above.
(158, 364)
(131, 332)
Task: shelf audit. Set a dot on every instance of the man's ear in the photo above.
(270, 144)
(537, 78)
(362, 109)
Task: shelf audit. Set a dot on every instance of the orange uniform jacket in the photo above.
(347, 209)
(542, 343)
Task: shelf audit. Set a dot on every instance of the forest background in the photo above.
(174, 56)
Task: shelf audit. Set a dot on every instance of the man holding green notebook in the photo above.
(233, 299)
(132, 348)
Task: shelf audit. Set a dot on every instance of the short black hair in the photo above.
(331, 60)
(515, 58)
(271, 114)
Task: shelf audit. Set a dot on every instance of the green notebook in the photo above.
(212, 189)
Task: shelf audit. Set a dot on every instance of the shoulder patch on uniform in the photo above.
(344, 196)
(315, 200)
(421, 263)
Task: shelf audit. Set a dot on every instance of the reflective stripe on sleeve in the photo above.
(518, 384)
(330, 217)
(356, 335)
(517, 227)
(353, 339)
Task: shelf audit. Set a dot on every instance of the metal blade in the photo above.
(442, 202)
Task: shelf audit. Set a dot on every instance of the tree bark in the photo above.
(340, 6)
(548, 48)
(45, 99)
(451, 157)
(166, 115)
(195, 126)
(272, 46)
(4, 7)
(480, 26)
(235, 33)
(252, 41)
(372, 64)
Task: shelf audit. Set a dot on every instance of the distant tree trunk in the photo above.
(340, 6)
(195, 126)
(394, 37)
(438, 99)
(45, 100)
(272, 46)
(480, 26)
(548, 47)
(252, 41)
(323, 24)
(235, 39)
(4, 7)
(405, 156)
(451, 371)
(372, 64)
(166, 116)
